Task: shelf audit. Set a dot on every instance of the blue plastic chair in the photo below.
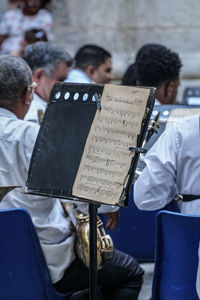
(135, 233)
(23, 271)
(176, 262)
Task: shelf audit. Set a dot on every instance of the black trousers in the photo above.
(119, 279)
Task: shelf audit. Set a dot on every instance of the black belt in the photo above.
(187, 198)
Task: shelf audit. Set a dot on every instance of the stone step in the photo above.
(145, 293)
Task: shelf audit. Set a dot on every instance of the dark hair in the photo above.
(153, 65)
(90, 55)
(44, 3)
(130, 76)
(35, 35)
(157, 64)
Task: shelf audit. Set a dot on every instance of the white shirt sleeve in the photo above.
(156, 186)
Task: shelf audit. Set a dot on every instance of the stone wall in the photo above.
(123, 26)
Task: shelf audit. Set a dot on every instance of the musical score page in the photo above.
(179, 113)
(106, 159)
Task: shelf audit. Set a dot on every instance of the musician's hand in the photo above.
(113, 219)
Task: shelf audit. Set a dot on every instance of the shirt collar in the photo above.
(36, 96)
(157, 102)
(79, 75)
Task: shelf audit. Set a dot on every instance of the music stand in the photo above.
(60, 145)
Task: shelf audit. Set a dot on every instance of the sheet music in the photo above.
(179, 113)
(5, 189)
(106, 159)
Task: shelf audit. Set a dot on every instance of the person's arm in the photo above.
(112, 219)
(2, 38)
(156, 186)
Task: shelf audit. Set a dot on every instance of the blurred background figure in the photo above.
(30, 37)
(92, 64)
(159, 67)
(13, 4)
(15, 22)
(130, 76)
(46, 4)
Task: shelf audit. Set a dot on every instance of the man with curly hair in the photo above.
(160, 67)
(175, 155)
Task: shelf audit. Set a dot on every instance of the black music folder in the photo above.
(89, 142)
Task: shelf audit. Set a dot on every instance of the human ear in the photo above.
(28, 97)
(37, 75)
(90, 71)
(170, 88)
(170, 92)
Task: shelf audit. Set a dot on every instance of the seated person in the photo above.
(172, 167)
(121, 277)
(92, 64)
(130, 75)
(158, 67)
(30, 37)
(13, 4)
(49, 64)
(16, 21)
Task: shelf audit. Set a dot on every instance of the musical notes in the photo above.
(106, 159)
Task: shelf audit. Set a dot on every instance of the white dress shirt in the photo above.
(172, 166)
(53, 228)
(37, 104)
(157, 102)
(76, 75)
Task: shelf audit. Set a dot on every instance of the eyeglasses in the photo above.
(33, 86)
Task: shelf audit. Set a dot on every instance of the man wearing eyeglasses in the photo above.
(49, 64)
(121, 276)
(17, 141)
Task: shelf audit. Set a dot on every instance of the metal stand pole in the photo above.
(93, 208)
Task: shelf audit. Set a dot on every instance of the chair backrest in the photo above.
(176, 261)
(191, 95)
(23, 270)
(135, 233)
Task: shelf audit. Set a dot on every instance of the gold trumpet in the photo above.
(105, 245)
